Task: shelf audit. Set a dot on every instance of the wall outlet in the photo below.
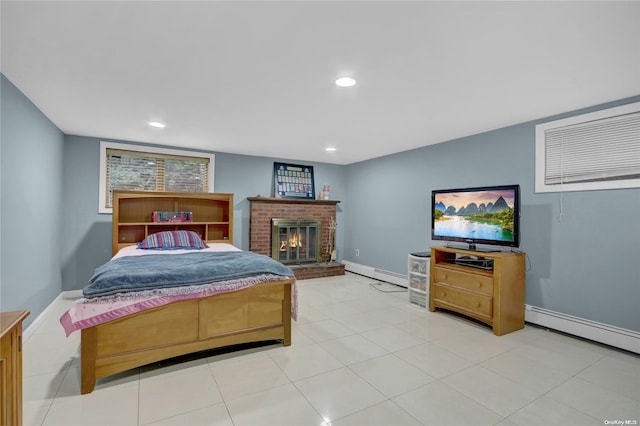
(357, 252)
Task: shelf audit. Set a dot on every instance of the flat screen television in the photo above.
(483, 215)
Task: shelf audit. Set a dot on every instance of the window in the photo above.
(599, 150)
(143, 168)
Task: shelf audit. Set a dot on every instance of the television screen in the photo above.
(485, 215)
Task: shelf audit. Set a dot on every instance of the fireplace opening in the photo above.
(296, 241)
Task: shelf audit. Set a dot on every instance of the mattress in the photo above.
(91, 311)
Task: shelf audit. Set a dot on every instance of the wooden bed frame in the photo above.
(258, 313)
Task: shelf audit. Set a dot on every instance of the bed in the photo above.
(151, 324)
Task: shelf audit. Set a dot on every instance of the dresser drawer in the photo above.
(479, 283)
(477, 304)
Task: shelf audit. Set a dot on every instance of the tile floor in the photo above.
(359, 356)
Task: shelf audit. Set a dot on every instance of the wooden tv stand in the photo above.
(487, 286)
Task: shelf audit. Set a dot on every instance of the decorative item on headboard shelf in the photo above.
(172, 216)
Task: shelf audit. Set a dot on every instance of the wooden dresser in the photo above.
(486, 286)
(11, 367)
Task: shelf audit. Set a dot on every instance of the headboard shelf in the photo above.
(133, 210)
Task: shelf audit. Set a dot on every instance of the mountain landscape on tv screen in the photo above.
(490, 221)
(473, 208)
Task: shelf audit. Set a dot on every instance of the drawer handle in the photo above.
(478, 304)
(444, 293)
(479, 285)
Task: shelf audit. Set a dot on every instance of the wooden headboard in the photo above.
(133, 210)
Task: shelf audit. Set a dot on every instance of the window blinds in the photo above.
(596, 150)
(606, 149)
(147, 171)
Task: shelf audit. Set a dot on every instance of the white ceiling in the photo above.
(257, 78)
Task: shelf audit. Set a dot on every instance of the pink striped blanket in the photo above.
(88, 312)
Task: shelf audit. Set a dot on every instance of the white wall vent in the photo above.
(599, 150)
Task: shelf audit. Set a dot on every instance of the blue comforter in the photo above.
(137, 273)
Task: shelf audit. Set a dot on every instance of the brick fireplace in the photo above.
(264, 209)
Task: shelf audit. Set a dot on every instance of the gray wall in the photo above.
(582, 247)
(87, 242)
(31, 194)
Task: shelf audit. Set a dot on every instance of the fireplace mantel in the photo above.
(292, 200)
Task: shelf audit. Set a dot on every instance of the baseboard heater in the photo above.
(390, 277)
(622, 338)
(598, 332)
(375, 273)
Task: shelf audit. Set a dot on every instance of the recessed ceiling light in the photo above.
(157, 124)
(345, 82)
(330, 149)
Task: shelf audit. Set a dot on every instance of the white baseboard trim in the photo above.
(599, 332)
(28, 331)
(72, 294)
(375, 273)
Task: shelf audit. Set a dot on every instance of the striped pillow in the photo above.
(169, 240)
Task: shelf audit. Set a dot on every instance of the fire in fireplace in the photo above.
(295, 241)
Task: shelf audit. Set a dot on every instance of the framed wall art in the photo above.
(293, 181)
